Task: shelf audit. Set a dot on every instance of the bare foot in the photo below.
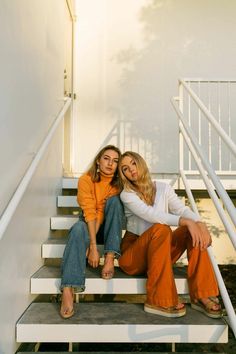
(67, 310)
(108, 268)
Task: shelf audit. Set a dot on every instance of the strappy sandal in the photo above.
(108, 274)
(165, 311)
(207, 308)
(67, 311)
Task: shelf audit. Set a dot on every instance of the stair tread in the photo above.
(116, 322)
(109, 313)
(55, 272)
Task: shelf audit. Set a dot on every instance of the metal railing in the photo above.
(203, 163)
(16, 198)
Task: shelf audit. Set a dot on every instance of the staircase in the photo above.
(117, 315)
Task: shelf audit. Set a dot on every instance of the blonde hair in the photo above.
(94, 172)
(144, 186)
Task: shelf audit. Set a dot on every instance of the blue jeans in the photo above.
(74, 257)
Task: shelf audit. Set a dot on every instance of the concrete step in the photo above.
(86, 352)
(63, 222)
(69, 183)
(72, 183)
(47, 280)
(54, 247)
(67, 201)
(116, 322)
(70, 201)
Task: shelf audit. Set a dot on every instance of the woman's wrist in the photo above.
(185, 221)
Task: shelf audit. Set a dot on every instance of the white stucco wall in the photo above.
(32, 83)
(20, 247)
(130, 55)
(31, 95)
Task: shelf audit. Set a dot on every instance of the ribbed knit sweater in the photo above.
(92, 196)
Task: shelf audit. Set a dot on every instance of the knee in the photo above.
(185, 232)
(162, 229)
(114, 203)
(78, 231)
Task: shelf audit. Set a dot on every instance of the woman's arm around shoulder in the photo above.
(149, 213)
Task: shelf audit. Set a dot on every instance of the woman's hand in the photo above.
(198, 231)
(93, 255)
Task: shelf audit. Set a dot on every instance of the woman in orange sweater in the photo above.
(98, 197)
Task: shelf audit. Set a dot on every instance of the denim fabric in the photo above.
(74, 257)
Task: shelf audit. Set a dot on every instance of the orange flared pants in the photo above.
(154, 252)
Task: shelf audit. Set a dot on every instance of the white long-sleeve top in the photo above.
(167, 209)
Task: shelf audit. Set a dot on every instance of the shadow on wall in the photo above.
(144, 101)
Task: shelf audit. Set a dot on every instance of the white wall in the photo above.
(31, 95)
(32, 83)
(20, 247)
(130, 55)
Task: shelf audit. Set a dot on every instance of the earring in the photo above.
(98, 169)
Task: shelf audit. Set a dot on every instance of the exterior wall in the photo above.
(20, 247)
(31, 95)
(32, 83)
(130, 55)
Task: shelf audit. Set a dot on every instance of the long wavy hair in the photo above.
(93, 169)
(144, 186)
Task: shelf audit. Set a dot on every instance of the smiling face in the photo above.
(129, 168)
(108, 162)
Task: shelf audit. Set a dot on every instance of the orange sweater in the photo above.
(92, 196)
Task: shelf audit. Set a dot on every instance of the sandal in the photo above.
(207, 308)
(108, 268)
(173, 311)
(67, 311)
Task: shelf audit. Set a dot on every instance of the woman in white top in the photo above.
(151, 247)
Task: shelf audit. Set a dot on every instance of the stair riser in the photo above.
(100, 286)
(63, 223)
(122, 333)
(67, 201)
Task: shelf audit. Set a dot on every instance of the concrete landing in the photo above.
(116, 322)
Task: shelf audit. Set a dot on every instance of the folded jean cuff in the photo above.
(117, 254)
(76, 288)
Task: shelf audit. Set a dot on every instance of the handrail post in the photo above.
(181, 140)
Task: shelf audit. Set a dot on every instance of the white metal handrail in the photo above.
(186, 132)
(16, 198)
(225, 296)
(210, 117)
(210, 179)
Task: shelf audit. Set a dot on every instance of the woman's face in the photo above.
(129, 168)
(108, 162)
